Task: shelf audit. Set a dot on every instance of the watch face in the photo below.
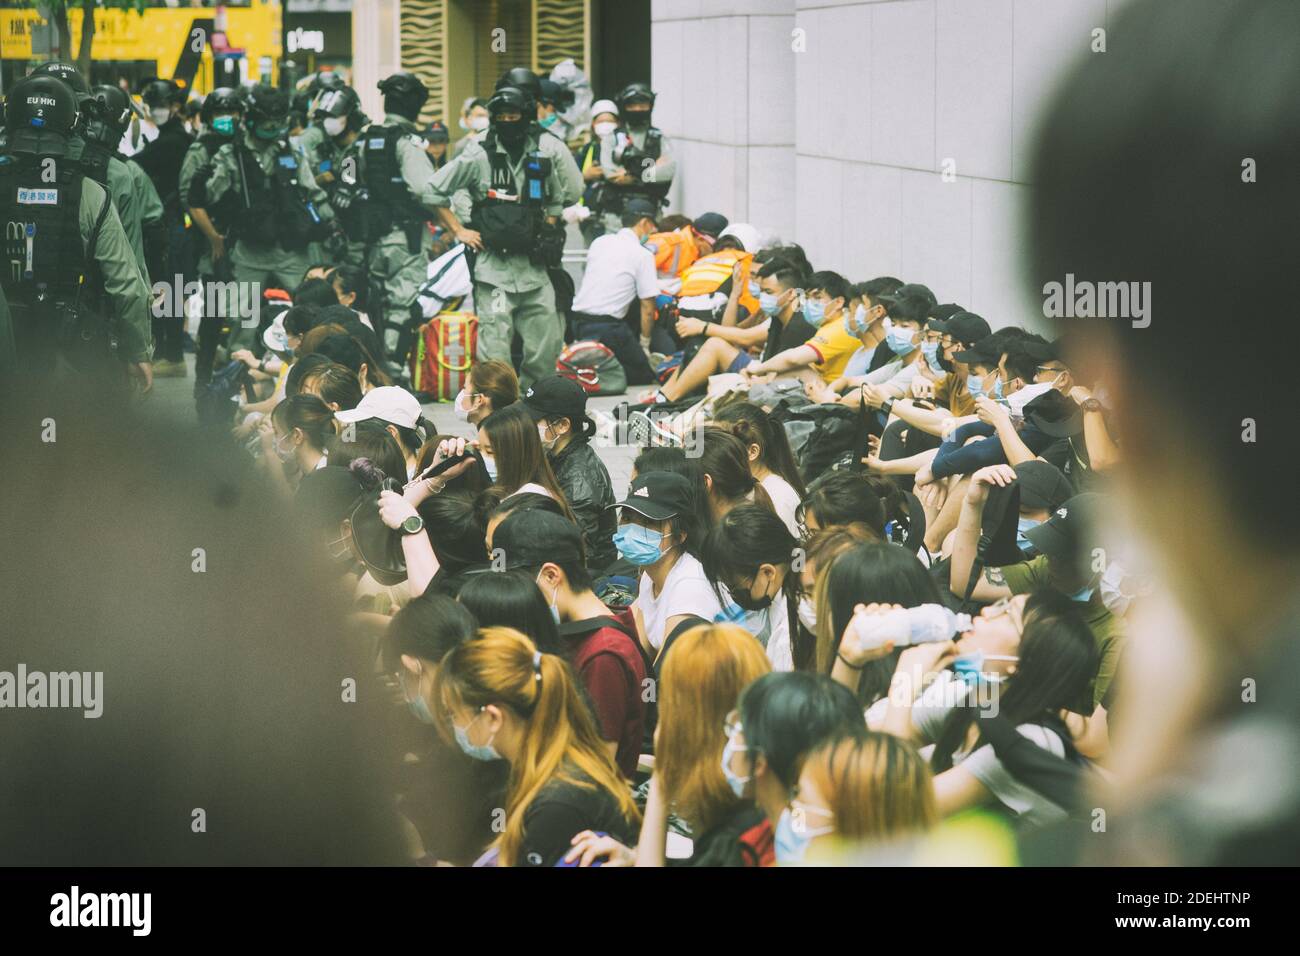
(412, 524)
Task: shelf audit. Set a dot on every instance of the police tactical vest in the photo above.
(44, 257)
(655, 192)
(274, 209)
(509, 221)
(92, 158)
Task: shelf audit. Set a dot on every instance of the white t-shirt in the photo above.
(784, 498)
(770, 626)
(686, 591)
(930, 711)
(619, 269)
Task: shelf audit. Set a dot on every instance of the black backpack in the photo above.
(820, 435)
(218, 400)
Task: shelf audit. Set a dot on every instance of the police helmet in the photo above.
(508, 99)
(634, 93)
(221, 100)
(342, 101)
(115, 105)
(158, 93)
(40, 113)
(266, 104)
(524, 80)
(328, 80)
(553, 94)
(67, 73)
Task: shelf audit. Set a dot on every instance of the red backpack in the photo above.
(594, 367)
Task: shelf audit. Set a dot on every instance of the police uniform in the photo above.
(82, 243)
(512, 293)
(277, 216)
(310, 139)
(393, 165)
(654, 144)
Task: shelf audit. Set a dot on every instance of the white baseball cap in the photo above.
(603, 106)
(388, 403)
(274, 336)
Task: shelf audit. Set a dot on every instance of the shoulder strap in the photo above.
(93, 242)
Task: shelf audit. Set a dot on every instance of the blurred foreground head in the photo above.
(147, 554)
(1170, 161)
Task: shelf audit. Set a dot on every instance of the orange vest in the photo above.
(707, 275)
(673, 251)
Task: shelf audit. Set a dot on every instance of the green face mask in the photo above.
(225, 125)
(267, 131)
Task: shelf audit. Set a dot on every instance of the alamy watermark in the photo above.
(231, 300)
(1082, 299)
(77, 690)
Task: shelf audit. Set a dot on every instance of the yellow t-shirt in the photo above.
(834, 345)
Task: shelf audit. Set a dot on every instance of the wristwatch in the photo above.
(887, 405)
(413, 524)
(1091, 405)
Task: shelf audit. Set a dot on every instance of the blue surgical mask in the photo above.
(225, 125)
(790, 846)
(857, 323)
(970, 667)
(900, 340)
(639, 544)
(419, 708)
(549, 121)
(555, 611)
(735, 782)
(1022, 542)
(483, 752)
(490, 463)
(767, 302)
(814, 310)
(754, 290)
(975, 385)
(931, 352)
(1083, 595)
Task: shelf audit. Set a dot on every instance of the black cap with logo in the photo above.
(659, 495)
(558, 397)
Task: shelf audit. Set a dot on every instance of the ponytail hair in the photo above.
(308, 414)
(724, 459)
(753, 426)
(503, 667)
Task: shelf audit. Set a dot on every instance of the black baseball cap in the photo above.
(1071, 533)
(1054, 414)
(529, 539)
(985, 351)
(1042, 485)
(558, 397)
(436, 132)
(942, 312)
(659, 495)
(965, 327)
(711, 224)
(912, 289)
(641, 207)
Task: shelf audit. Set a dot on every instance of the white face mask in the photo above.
(460, 406)
(604, 129)
(1018, 399)
(160, 114)
(478, 123)
(808, 614)
(334, 125)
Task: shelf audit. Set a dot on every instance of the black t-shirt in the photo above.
(793, 334)
(560, 812)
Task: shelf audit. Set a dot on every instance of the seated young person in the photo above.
(726, 348)
(904, 319)
(500, 698)
(822, 359)
(601, 647)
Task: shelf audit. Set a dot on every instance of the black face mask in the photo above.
(512, 133)
(638, 120)
(745, 600)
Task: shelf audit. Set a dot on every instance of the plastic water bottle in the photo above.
(923, 624)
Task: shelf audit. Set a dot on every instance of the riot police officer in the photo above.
(277, 214)
(638, 156)
(220, 115)
(71, 281)
(105, 124)
(304, 110)
(552, 147)
(102, 165)
(517, 197)
(338, 115)
(392, 168)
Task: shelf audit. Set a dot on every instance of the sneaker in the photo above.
(168, 369)
(639, 429)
